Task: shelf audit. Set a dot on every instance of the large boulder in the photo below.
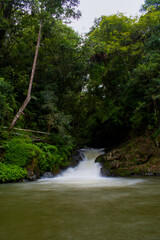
(139, 156)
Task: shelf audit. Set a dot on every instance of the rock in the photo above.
(138, 157)
(115, 164)
(75, 159)
(150, 174)
(141, 159)
(24, 180)
(102, 158)
(32, 176)
(105, 173)
(47, 175)
(33, 171)
(115, 155)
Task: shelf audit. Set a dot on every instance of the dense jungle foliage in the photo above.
(95, 90)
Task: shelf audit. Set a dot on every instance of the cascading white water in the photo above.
(87, 174)
(87, 169)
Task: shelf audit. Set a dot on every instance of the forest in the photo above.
(60, 91)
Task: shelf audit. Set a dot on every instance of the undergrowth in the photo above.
(20, 153)
(11, 173)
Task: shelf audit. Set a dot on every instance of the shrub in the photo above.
(21, 152)
(9, 173)
(54, 157)
(39, 157)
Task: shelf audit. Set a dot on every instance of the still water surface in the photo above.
(81, 208)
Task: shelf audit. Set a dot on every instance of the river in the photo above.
(81, 205)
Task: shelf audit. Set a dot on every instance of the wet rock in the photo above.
(111, 156)
(102, 158)
(48, 175)
(75, 159)
(105, 173)
(32, 176)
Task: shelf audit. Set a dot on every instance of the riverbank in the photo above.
(22, 159)
(139, 156)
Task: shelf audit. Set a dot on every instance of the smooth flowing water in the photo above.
(81, 205)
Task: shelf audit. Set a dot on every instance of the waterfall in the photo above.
(87, 174)
(87, 169)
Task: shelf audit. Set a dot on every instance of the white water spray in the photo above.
(87, 169)
(87, 174)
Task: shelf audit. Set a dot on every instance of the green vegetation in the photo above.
(11, 173)
(22, 155)
(21, 152)
(97, 91)
(54, 157)
(123, 86)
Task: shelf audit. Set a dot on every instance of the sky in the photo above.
(92, 9)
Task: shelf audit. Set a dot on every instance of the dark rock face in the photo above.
(139, 157)
(75, 159)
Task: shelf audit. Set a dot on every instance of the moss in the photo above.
(122, 172)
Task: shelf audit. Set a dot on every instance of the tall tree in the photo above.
(30, 82)
(65, 8)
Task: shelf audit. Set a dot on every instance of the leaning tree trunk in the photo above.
(28, 98)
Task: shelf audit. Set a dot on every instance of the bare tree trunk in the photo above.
(28, 98)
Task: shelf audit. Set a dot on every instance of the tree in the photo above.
(122, 91)
(151, 5)
(115, 49)
(30, 82)
(46, 7)
(10, 9)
